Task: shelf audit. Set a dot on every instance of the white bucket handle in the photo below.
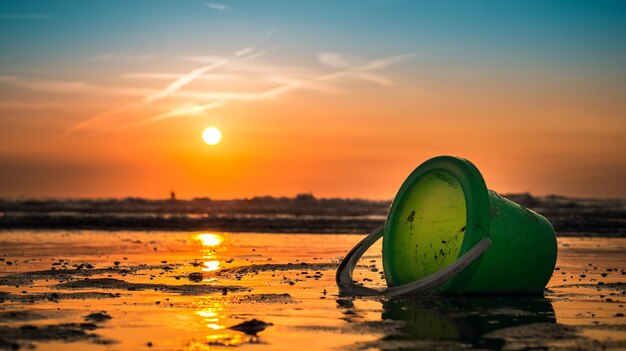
(347, 285)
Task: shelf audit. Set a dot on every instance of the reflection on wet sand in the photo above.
(210, 266)
(450, 323)
(212, 315)
(468, 320)
(216, 340)
(219, 334)
(209, 239)
(210, 243)
(212, 309)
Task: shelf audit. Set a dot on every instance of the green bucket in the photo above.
(447, 233)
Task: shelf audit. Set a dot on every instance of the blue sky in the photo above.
(574, 33)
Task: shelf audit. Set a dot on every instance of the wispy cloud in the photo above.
(362, 70)
(321, 87)
(255, 55)
(175, 76)
(336, 60)
(24, 16)
(218, 6)
(8, 78)
(244, 51)
(106, 120)
(71, 87)
(372, 78)
(188, 110)
(243, 66)
(42, 105)
(177, 100)
(117, 119)
(54, 86)
(286, 85)
(184, 80)
(332, 59)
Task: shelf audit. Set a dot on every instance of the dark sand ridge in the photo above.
(54, 297)
(10, 337)
(70, 332)
(600, 286)
(255, 268)
(25, 278)
(110, 283)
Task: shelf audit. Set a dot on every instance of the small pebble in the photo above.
(195, 277)
(98, 317)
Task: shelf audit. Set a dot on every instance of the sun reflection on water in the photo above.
(212, 342)
(211, 317)
(218, 336)
(210, 243)
(210, 266)
(209, 239)
(211, 312)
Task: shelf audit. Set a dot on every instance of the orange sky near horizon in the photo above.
(349, 144)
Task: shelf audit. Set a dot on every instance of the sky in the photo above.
(337, 98)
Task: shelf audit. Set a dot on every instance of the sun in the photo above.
(211, 135)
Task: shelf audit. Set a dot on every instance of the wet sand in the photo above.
(63, 290)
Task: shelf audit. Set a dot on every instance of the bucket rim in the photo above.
(476, 202)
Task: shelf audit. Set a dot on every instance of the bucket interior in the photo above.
(427, 228)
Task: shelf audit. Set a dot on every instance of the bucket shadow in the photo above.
(466, 320)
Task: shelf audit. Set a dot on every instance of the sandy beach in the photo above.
(99, 290)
